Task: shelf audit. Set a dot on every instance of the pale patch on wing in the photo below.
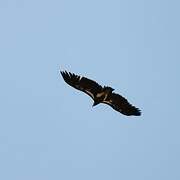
(109, 102)
(89, 93)
(85, 90)
(100, 94)
(106, 95)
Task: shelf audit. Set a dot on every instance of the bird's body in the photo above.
(100, 94)
(103, 95)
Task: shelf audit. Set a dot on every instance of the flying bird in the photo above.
(100, 94)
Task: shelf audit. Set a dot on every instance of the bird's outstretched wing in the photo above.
(121, 104)
(86, 85)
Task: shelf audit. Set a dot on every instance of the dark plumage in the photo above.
(100, 94)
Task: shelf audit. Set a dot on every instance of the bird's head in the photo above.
(95, 103)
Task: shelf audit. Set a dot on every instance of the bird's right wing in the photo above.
(84, 84)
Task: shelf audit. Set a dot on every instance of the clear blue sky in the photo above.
(48, 130)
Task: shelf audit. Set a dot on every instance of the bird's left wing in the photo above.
(84, 84)
(122, 105)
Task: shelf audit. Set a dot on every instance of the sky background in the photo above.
(48, 130)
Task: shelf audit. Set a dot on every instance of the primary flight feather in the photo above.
(100, 94)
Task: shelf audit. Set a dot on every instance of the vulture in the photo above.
(100, 94)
